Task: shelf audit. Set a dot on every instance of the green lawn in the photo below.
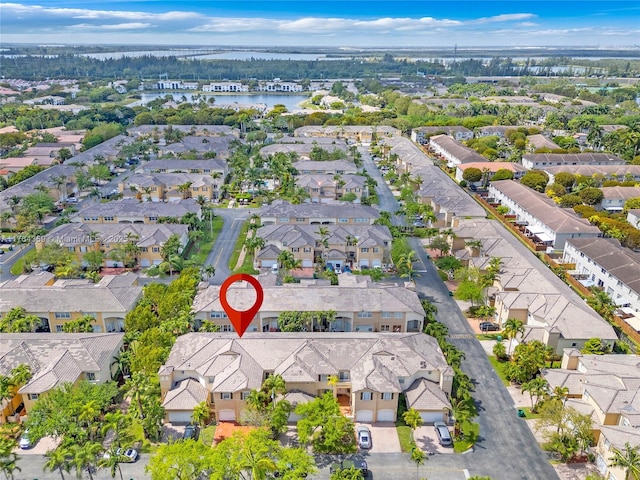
(28, 258)
(207, 242)
(405, 435)
(238, 246)
(207, 434)
(489, 336)
(529, 415)
(499, 368)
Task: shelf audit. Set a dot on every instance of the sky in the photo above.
(310, 23)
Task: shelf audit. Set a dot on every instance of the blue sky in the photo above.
(372, 23)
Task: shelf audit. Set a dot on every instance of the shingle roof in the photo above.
(463, 153)
(589, 170)
(589, 157)
(325, 166)
(620, 193)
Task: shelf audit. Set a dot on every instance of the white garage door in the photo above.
(307, 263)
(267, 263)
(364, 262)
(430, 417)
(386, 416)
(376, 263)
(227, 415)
(180, 417)
(145, 262)
(364, 416)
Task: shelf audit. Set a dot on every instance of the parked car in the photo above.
(489, 327)
(130, 453)
(191, 432)
(444, 437)
(279, 474)
(364, 437)
(348, 464)
(25, 442)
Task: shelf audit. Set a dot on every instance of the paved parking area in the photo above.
(427, 440)
(172, 431)
(384, 437)
(43, 446)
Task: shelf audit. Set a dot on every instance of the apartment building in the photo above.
(489, 169)
(225, 87)
(214, 167)
(607, 172)
(453, 152)
(615, 197)
(329, 167)
(331, 187)
(56, 302)
(282, 212)
(130, 210)
(372, 370)
(421, 134)
(170, 187)
(539, 161)
(363, 134)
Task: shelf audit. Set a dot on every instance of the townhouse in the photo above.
(489, 169)
(200, 145)
(282, 212)
(363, 134)
(303, 150)
(615, 197)
(527, 290)
(55, 302)
(130, 210)
(448, 201)
(453, 152)
(607, 172)
(359, 305)
(47, 153)
(215, 167)
(225, 87)
(329, 167)
(331, 187)
(544, 222)
(372, 370)
(350, 245)
(538, 161)
(278, 86)
(80, 238)
(170, 187)
(604, 263)
(495, 130)
(539, 141)
(421, 134)
(606, 387)
(408, 155)
(633, 217)
(55, 360)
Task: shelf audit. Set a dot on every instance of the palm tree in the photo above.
(412, 418)
(84, 458)
(119, 423)
(57, 460)
(60, 183)
(201, 414)
(537, 388)
(628, 459)
(512, 328)
(257, 400)
(602, 304)
(462, 410)
(113, 460)
(418, 457)
(208, 271)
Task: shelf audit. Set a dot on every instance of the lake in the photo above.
(292, 102)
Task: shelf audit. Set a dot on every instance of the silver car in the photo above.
(364, 437)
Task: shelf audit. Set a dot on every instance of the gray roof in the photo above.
(168, 180)
(375, 360)
(325, 166)
(426, 395)
(443, 129)
(202, 144)
(463, 153)
(301, 235)
(115, 294)
(281, 208)
(135, 208)
(540, 141)
(57, 358)
(203, 129)
(300, 148)
(408, 152)
(623, 263)
(144, 234)
(213, 164)
(186, 395)
(560, 220)
(620, 193)
(27, 187)
(319, 180)
(589, 170)
(576, 158)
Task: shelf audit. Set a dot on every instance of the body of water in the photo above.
(292, 102)
(200, 54)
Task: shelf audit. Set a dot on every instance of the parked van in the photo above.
(443, 434)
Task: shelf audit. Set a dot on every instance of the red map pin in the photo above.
(241, 320)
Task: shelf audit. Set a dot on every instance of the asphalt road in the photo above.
(386, 201)
(223, 247)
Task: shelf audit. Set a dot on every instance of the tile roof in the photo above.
(303, 235)
(589, 170)
(135, 208)
(426, 395)
(463, 153)
(620, 193)
(143, 234)
(623, 263)
(57, 358)
(282, 208)
(570, 158)
(213, 164)
(325, 166)
(186, 395)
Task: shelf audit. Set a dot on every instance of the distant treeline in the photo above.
(150, 67)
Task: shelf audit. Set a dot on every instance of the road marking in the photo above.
(466, 473)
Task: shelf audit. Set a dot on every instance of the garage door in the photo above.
(364, 263)
(227, 415)
(386, 416)
(430, 417)
(376, 263)
(180, 417)
(145, 262)
(293, 418)
(364, 416)
(307, 263)
(267, 263)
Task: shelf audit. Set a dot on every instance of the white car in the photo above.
(130, 453)
(24, 441)
(364, 437)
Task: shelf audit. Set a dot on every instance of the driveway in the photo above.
(427, 440)
(384, 437)
(44, 445)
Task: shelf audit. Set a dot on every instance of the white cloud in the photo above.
(507, 17)
(119, 26)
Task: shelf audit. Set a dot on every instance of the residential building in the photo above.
(57, 302)
(47, 153)
(355, 246)
(408, 154)
(170, 187)
(55, 360)
(495, 130)
(363, 134)
(608, 172)
(615, 197)
(282, 212)
(604, 263)
(359, 305)
(539, 161)
(279, 87)
(489, 169)
(330, 167)
(130, 210)
(421, 134)
(303, 150)
(80, 238)
(372, 369)
(633, 217)
(453, 152)
(176, 85)
(177, 165)
(202, 145)
(331, 187)
(610, 440)
(539, 141)
(545, 223)
(225, 87)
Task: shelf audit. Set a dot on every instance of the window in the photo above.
(155, 249)
(387, 396)
(108, 218)
(153, 219)
(307, 249)
(212, 379)
(62, 315)
(607, 443)
(295, 249)
(323, 378)
(144, 249)
(364, 314)
(227, 328)
(376, 250)
(344, 376)
(91, 376)
(384, 328)
(300, 219)
(58, 328)
(83, 249)
(226, 396)
(343, 220)
(364, 250)
(366, 396)
(218, 315)
(71, 249)
(244, 395)
(385, 314)
(400, 380)
(33, 396)
(91, 314)
(283, 220)
(362, 220)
